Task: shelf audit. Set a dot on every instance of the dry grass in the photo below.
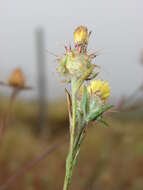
(111, 158)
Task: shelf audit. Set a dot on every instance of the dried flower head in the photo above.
(81, 35)
(100, 88)
(16, 79)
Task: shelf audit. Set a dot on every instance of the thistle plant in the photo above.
(87, 100)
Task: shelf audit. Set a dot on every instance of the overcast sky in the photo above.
(117, 27)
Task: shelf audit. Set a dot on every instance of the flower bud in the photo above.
(74, 64)
(81, 35)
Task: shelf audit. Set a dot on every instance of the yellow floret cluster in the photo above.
(100, 88)
(81, 35)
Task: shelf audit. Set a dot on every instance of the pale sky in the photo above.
(117, 27)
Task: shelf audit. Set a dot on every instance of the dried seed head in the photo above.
(16, 79)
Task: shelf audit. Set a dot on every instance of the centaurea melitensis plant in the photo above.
(86, 103)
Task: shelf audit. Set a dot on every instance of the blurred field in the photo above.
(111, 158)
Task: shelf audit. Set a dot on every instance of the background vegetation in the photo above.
(111, 158)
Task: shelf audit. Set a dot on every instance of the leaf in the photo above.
(101, 120)
(69, 103)
(93, 76)
(79, 118)
(84, 102)
(94, 115)
(75, 157)
(77, 144)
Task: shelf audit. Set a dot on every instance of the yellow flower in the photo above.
(81, 35)
(16, 79)
(100, 88)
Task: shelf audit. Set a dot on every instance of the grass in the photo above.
(111, 158)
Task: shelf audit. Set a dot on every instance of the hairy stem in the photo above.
(70, 158)
(76, 84)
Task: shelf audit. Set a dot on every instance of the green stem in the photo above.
(70, 158)
(76, 83)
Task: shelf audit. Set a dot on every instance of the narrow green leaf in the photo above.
(77, 144)
(93, 76)
(84, 101)
(101, 120)
(76, 156)
(79, 119)
(93, 116)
